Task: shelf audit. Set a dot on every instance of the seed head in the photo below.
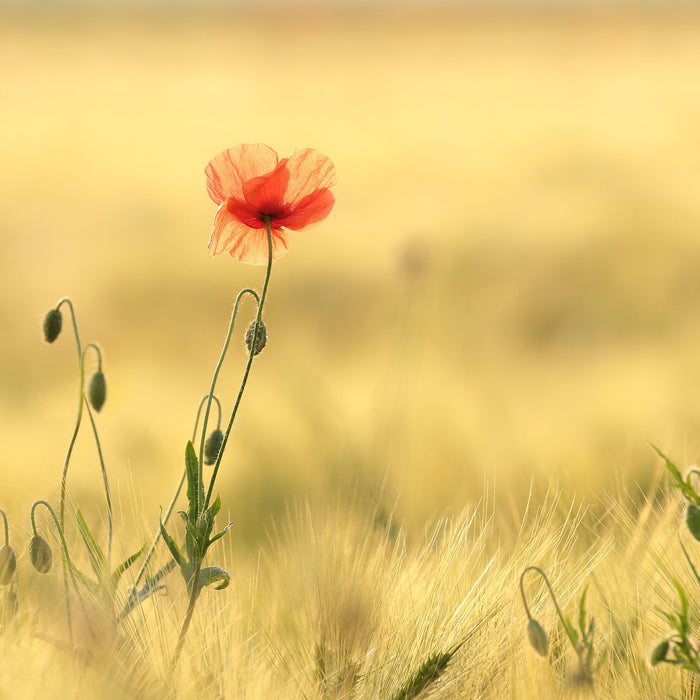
(53, 322)
(8, 564)
(261, 337)
(40, 554)
(97, 391)
(537, 637)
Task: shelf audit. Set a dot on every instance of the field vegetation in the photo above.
(466, 364)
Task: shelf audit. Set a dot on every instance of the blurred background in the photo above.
(507, 292)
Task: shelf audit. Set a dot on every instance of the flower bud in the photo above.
(659, 652)
(97, 391)
(692, 520)
(53, 322)
(8, 564)
(40, 554)
(212, 446)
(261, 339)
(537, 637)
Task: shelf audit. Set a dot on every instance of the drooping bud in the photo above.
(537, 637)
(212, 446)
(659, 652)
(97, 391)
(53, 322)
(40, 554)
(261, 337)
(8, 564)
(692, 520)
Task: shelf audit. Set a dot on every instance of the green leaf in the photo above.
(174, 549)
(685, 487)
(97, 557)
(582, 611)
(212, 574)
(218, 535)
(215, 507)
(117, 573)
(151, 585)
(195, 485)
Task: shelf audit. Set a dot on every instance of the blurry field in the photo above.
(507, 290)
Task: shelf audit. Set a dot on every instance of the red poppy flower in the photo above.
(251, 184)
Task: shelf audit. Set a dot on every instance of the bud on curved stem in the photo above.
(8, 560)
(537, 569)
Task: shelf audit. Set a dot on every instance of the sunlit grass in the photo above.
(500, 313)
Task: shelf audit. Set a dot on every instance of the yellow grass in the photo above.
(506, 293)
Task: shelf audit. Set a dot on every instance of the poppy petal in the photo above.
(227, 172)
(310, 210)
(244, 212)
(249, 245)
(266, 194)
(309, 170)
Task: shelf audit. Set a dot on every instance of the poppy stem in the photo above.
(249, 364)
(219, 364)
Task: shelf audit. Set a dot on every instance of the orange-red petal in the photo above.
(249, 245)
(265, 194)
(310, 210)
(309, 170)
(227, 172)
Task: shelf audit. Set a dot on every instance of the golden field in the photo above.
(504, 301)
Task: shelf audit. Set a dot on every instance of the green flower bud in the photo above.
(261, 340)
(8, 564)
(212, 446)
(53, 322)
(692, 520)
(537, 637)
(97, 391)
(659, 652)
(40, 554)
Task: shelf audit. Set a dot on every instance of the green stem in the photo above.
(71, 445)
(194, 594)
(251, 355)
(105, 481)
(176, 495)
(67, 563)
(103, 469)
(564, 622)
(219, 364)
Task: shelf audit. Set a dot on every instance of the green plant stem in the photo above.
(564, 623)
(105, 481)
(71, 444)
(251, 355)
(67, 563)
(219, 364)
(192, 601)
(176, 495)
(194, 581)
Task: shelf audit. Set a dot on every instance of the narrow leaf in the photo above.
(172, 546)
(117, 573)
(195, 485)
(218, 535)
(97, 557)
